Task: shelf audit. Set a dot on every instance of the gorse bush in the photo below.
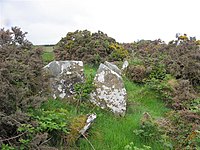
(85, 46)
(23, 83)
(118, 52)
(21, 72)
(91, 48)
(183, 61)
(136, 73)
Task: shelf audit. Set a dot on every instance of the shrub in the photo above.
(182, 94)
(21, 73)
(198, 42)
(194, 106)
(182, 61)
(23, 83)
(136, 73)
(158, 71)
(157, 80)
(186, 130)
(92, 48)
(118, 52)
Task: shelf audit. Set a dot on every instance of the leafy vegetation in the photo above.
(84, 89)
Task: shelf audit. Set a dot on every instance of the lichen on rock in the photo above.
(64, 74)
(110, 92)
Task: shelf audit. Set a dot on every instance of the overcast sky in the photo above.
(46, 21)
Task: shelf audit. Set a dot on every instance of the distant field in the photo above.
(48, 54)
(46, 48)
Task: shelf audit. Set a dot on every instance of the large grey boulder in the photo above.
(110, 92)
(63, 76)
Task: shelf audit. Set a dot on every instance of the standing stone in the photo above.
(113, 67)
(64, 74)
(110, 92)
(125, 65)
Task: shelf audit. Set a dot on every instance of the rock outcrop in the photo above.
(63, 76)
(110, 92)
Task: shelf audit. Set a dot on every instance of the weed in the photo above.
(83, 90)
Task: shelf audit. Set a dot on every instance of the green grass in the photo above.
(48, 56)
(47, 52)
(113, 133)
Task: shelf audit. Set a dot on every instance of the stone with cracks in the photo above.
(63, 76)
(110, 92)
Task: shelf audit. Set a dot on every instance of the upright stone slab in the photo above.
(64, 74)
(125, 65)
(110, 92)
(113, 67)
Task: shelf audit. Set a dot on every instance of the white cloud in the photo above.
(125, 20)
